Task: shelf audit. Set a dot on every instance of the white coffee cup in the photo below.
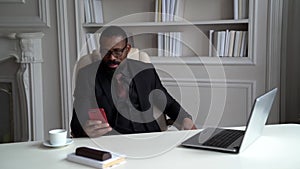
(58, 137)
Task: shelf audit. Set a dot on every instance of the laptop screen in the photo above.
(258, 118)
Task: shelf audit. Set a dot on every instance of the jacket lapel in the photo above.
(139, 82)
(104, 83)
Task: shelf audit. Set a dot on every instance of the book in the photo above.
(240, 43)
(179, 10)
(236, 9)
(211, 42)
(160, 44)
(159, 10)
(245, 7)
(215, 44)
(92, 9)
(220, 38)
(163, 11)
(92, 40)
(115, 160)
(168, 7)
(167, 43)
(231, 42)
(178, 48)
(240, 9)
(245, 54)
(87, 11)
(171, 43)
(130, 38)
(172, 10)
(98, 12)
(237, 44)
(226, 46)
(168, 10)
(156, 11)
(244, 44)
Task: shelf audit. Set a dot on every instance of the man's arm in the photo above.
(181, 119)
(85, 99)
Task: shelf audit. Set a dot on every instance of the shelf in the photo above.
(205, 60)
(144, 26)
(149, 24)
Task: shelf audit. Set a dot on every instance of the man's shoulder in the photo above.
(88, 71)
(141, 70)
(91, 67)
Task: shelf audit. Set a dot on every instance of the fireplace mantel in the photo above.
(26, 49)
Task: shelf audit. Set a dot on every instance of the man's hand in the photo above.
(188, 124)
(96, 128)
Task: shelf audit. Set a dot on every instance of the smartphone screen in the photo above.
(98, 114)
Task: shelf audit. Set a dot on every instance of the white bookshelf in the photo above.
(244, 77)
(138, 18)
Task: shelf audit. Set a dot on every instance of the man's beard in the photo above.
(111, 62)
(110, 71)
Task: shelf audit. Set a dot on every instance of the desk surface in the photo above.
(279, 147)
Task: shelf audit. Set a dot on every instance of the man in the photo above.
(127, 90)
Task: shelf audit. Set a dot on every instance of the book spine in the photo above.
(179, 44)
(227, 38)
(236, 9)
(92, 9)
(167, 43)
(160, 39)
(172, 10)
(240, 10)
(231, 43)
(98, 12)
(237, 45)
(223, 36)
(159, 10)
(156, 11)
(168, 3)
(245, 9)
(211, 42)
(179, 9)
(171, 44)
(245, 54)
(218, 42)
(87, 11)
(164, 10)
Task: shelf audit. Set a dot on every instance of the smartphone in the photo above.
(98, 114)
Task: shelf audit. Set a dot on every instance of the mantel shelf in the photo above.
(198, 23)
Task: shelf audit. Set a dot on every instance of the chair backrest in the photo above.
(85, 60)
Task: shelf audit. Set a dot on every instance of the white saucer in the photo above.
(47, 143)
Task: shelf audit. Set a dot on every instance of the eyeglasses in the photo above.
(115, 52)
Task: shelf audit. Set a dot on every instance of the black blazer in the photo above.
(96, 90)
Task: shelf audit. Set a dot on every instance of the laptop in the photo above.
(235, 141)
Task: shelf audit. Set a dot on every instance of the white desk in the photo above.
(278, 148)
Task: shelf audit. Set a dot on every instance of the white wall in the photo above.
(26, 17)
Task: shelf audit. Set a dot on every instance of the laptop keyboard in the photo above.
(224, 138)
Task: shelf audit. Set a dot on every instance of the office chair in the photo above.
(135, 54)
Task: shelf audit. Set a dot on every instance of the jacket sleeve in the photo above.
(76, 128)
(84, 99)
